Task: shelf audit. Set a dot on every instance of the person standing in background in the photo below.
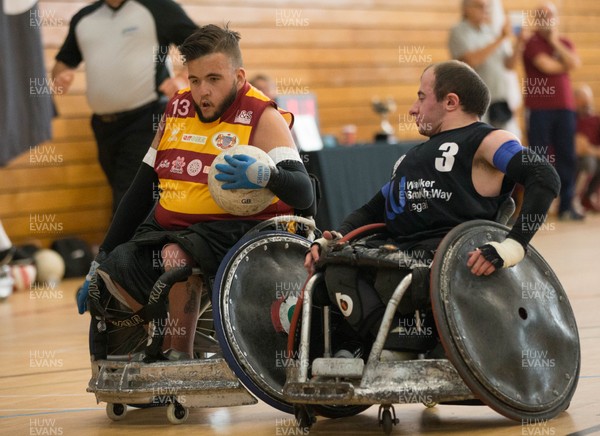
(548, 58)
(491, 54)
(265, 84)
(125, 46)
(587, 145)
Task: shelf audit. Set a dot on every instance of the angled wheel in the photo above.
(255, 291)
(124, 342)
(512, 335)
(121, 341)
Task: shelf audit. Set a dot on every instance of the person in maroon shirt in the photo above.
(587, 144)
(548, 58)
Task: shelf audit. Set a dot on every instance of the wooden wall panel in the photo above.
(346, 52)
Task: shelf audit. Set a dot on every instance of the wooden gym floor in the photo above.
(44, 370)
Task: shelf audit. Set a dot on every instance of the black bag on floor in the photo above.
(77, 255)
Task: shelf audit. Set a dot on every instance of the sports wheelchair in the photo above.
(509, 340)
(127, 370)
(270, 340)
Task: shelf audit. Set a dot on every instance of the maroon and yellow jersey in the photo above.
(186, 152)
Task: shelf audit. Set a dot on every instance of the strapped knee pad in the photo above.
(355, 296)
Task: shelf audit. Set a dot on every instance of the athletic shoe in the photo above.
(175, 355)
(571, 215)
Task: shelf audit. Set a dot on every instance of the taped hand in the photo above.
(495, 255)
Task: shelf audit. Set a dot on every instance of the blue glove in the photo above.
(82, 293)
(243, 172)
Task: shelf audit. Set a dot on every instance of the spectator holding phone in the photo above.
(491, 54)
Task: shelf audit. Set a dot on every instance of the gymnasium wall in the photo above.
(345, 51)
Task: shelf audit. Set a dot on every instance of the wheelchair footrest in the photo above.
(197, 383)
(338, 367)
(315, 392)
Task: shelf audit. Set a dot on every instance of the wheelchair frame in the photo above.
(180, 385)
(349, 381)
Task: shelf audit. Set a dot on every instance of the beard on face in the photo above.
(228, 101)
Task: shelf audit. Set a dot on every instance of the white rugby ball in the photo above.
(50, 266)
(241, 202)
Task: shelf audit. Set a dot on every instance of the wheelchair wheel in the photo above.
(255, 290)
(205, 341)
(121, 341)
(512, 336)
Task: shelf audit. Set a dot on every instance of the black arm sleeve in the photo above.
(135, 206)
(291, 183)
(371, 212)
(541, 184)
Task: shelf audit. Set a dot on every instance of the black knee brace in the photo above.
(355, 296)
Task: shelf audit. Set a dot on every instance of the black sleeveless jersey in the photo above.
(431, 189)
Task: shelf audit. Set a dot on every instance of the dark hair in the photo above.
(211, 39)
(459, 78)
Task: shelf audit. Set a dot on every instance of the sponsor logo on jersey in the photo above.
(194, 167)
(165, 163)
(224, 140)
(177, 165)
(195, 139)
(243, 117)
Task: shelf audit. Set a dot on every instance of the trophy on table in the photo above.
(384, 108)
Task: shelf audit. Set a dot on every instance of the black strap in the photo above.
(542, 185)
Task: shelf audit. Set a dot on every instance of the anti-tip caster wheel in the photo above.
(116, 411)
(430, 404)
(305, 416)
(386, 419)
(177, 413)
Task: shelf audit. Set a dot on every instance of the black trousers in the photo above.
(123, 140)
(556, 128)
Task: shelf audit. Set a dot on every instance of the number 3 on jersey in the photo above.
(445, 163)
